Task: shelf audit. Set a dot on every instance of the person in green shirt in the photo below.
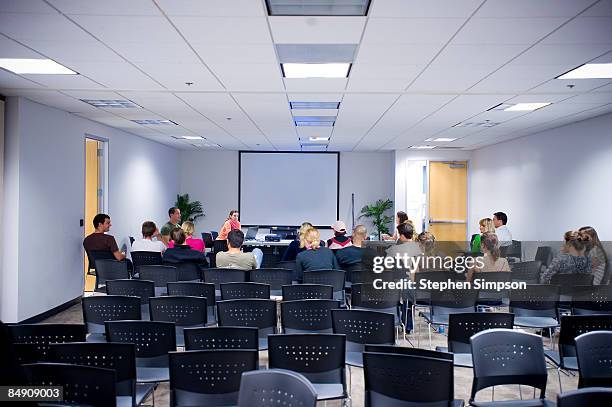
(486, 225)
(174, 214)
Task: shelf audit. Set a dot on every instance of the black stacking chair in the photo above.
(237, 291)
(160, 275)
(422, 297)
(276, 278)
(513, 250)
(101, 308)
(361, 328)
(493, 366)
(335, 278)
(143, 289)
(194, 289)
(83, 385)
(404, 350)
(185, 312)
(407, 381)
(589, 300)
(544, 255)
(491, 297)
(256, 313)
(32, 340)
(307, 292)
(219, 246)
(221, 337)
(107, 269)
(594, 352)
(208, 240)
(307, 316)
(153, 340)
(290, 265)
(593, 396)
(208, 377)
(573, 326)
(276, 387)
(461, 327)
(527, 271)
(187, 271)
(319, 357)
(117, 356)
(567, 284)
(535, 307)
(219, 276)
(366, 297)
(94, 255)
(142, 258)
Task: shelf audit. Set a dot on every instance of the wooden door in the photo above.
(91, 197)
(448, 201)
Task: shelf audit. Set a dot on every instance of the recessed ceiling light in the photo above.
(324, 121)
(154, 122)
(443, 139)
(589, 71)
(331, 70)
(526, 107)
(193, 138)
(35, 66)
(314, 105)
(422, 147)
(127, 104)
(318, 138)
(318, 8)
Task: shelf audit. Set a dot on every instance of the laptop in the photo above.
(251, 233)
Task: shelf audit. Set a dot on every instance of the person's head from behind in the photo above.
(486, 225)
(148, 229)
(188, 227)
(312, 239)
(489, 244)
(401, 217)
(302, 232)
(102, 222)
(405, 231)
(174, 214)
(178, 236)
(339, 228)
(576, 242)
(360, 233)
(589, 230)
(426, 242)
(235, 238)
(500, 219)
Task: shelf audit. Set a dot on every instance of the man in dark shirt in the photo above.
(182, 253)
(99, 241)
(350, 256)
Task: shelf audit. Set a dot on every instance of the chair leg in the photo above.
(520, 392)
(429, 331)
(559, 376)
(493, 393)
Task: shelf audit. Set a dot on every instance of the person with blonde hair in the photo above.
(491, 259)
(297, 246)
(426, 241)
(572, 258)
(352, 255)
(486, 226)
(597, 254)
(196, 244)
(316, 256)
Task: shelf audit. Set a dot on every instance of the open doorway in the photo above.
(95, 194)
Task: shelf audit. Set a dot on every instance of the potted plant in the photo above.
(376, 212)
(190, 211)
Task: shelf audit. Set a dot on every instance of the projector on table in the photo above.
(273, 238)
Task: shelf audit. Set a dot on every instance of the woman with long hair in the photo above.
(195, 243)
(297, 246)
(572, 258)
(316, 256)
(597, 254)
(491, 259)
(401, 217)
(230, 223)
(486, 225)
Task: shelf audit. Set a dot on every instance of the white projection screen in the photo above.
(286, 189)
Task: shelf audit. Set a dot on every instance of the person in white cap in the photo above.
(340, 240)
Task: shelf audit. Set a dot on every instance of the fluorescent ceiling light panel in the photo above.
(443, 139)
(324, 121)
(318, 138)
(526, 107)
(154, 122)
(302, 71)
(314, 105)
(589, 71)
(35, 66)
(126, 104)
(193, 138)
(422, 147)
(318, 8)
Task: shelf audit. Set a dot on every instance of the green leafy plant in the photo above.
(189, 210)
(376, 212)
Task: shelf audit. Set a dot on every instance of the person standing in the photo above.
(174, 215)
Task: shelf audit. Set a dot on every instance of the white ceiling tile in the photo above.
(107, 7)
(25, 6)
(449, 78)
(517, 78)
(223, 30)
(601, 9)
(10, 80)
(411, 30)
(428, 9)
(56, 100)
(380, 85)
(583, 30)
(482, 54)
(12, 49)
(175, 76)
(219, 107)
(562, 85)
(604, 59)
(506, 30)
(397, 54)
(592, 97)
(117, 76)
(315, 84)
(152, 52)
(530, 8)
(116, 29)
(47, 27)
(245, 77)
(378, 71)
(571, 55)
(213, 8)
(237, 54)
(536, 98)
(64, 81)
(92, 94)
(69, 53)
(317, 30)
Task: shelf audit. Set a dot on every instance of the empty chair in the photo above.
(185, 312)
(236, 291)
(335, 278)
(208, 377)
(107, 269)
(82, 385)
(160, 275)
(37, 337)
(187, 271)
(221, 337)
(404, 350)
(153, 340)
(512, 250)
(319, 357)
(492, 297)
(289, 265)
(594, 352)
(535, 306)
(363, 327)
(567, 283)
(256, 313)
(117, 356)
(461, 327)
(307, 292)
(588, 300)
(218, 276)
(307, 316)
(527, 271)
(144, 289)
(544, 255)
(142, 258)
(196, 289)
(266, 388)
(207, 238)
(365, 296)
(408, 381)
(593, 396)
(276, 278)
(101, 308)
(493, 365)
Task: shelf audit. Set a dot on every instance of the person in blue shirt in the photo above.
(316, 256)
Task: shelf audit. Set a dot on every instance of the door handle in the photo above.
(454, 221)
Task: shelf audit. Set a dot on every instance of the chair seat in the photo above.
(354, 359)
(437, 319)
(263, 343)
(515, 403)
(96, 338)
(536, 322)
(152, 374)
(143, 391)
(462, 360)
(569, 363)
(328, 391)
(124, 401)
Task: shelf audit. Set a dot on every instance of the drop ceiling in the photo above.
(212, 67)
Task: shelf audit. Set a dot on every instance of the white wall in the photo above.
(44, 200)
(547, 183)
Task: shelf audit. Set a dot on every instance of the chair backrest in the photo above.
(153, 339)
(142, 258)
(276, 277)
(107, 269)
(144, 289)
(493, 277)
(193, 289)
(218, 276)
(588, 300)
(219, 246)
(289, 264)
(536, 300)
(335, 278)
(160, 275)
(307, 315)
(573, 326)
(307, 292)
(462, 326)
(256, 313)
(567, 282)
(319, 357)
(214, 234)
(361, 327)
(222, 337)
(39, 336)
(94, 255)
(235, 291)
(504, 356)
(593, 396)
(528, 271)
(207, 238)
(208, 377)
(594, 353)
(445, 302)
(405, 350)
(544, 255)
(391, 379)
(276, 387)
(365, 296)
(98, 309)
(187, 271)
(182, 310)
(85, 385)
(512, 250)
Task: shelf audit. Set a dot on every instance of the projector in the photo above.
(273, 238)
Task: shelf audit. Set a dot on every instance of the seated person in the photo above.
(405, 242)
(340, 240)
(492, 260)
(572, 258)
(174, 217)
(99, 241)
(486, 225)
(297, 246)
(194, 243)
(234, 257)
(400, 217)
(147, 244)
(597, 254)
(315, 257)
(352, 255)
(181, 253)
(231, 223)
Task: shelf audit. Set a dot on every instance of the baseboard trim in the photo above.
(53, 311)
